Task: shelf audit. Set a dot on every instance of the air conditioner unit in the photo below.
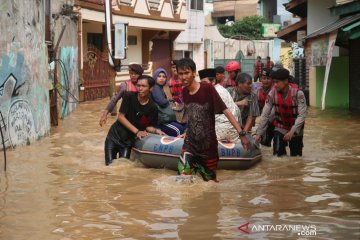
(287, 23)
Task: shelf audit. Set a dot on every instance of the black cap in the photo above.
(136, 68)
(219, 69)
(280, 74)
(207, 72)
(266, 72)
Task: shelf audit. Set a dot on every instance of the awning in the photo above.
(224, 13)
(223, 9)
(353, 30)
(290, 33)
(343, 22)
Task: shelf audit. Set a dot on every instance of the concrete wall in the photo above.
(24, 81)
(337, 94)
(66, 56)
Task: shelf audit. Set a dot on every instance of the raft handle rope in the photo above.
(3, 140)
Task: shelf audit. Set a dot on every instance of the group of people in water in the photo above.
(216, 108)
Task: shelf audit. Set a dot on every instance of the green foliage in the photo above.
(250, 27)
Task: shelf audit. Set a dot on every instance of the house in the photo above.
(340, 30)
(153, 25)
(190, 43)
(331, 75)
(233, 10)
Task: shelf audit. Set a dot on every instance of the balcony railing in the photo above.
(125, 2)
(154, 4)
(176, 5)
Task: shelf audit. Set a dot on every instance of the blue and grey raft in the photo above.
(155, 151)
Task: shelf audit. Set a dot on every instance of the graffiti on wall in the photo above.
(23, 99)
(69, 79)
(21, 123)
(319, 52)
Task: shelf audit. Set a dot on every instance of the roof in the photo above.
(297, 7)
(237, 9)
(290, 33)
(335, 25)
(223, 8)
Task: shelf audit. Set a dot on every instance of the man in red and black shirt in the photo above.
(269, 64)
(257, 68)
(290, 111)
(175, 84)
(262, 92)
(202, 102)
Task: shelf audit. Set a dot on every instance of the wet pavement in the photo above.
(59, 188)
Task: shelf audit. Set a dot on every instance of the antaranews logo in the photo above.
(301, 230)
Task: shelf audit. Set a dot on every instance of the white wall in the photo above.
(198, 55)
(194, 32)
(133, 53)
(193, 37)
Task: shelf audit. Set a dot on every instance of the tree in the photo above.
(249, 26)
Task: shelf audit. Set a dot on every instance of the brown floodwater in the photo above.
(59, 188)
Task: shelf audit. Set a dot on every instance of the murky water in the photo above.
(59, 188)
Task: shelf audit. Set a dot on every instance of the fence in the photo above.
(244, 51)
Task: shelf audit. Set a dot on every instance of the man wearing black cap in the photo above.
(290, 112)
(207, 75)
(223, 128)
(135, 71)
(262, 92)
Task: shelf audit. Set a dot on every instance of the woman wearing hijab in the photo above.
(168, 123)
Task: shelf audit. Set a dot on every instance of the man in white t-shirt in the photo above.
(224, 129)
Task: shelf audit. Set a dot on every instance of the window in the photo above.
(95, 39)
(197, 4)
(132, 40)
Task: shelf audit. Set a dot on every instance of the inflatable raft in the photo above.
(157, 151)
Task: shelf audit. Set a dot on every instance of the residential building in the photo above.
(190, 43)
(153, 25)
(342, 33)
(331, 75)
(233, 10)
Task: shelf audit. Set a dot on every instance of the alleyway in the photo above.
(59, 188)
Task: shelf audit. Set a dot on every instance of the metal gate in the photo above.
(97, 73)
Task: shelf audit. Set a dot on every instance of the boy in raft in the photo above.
(135, 71)
(137, 116)
(200, 151)
(290, 112)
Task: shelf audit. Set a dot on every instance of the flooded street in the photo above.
(59, 188)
